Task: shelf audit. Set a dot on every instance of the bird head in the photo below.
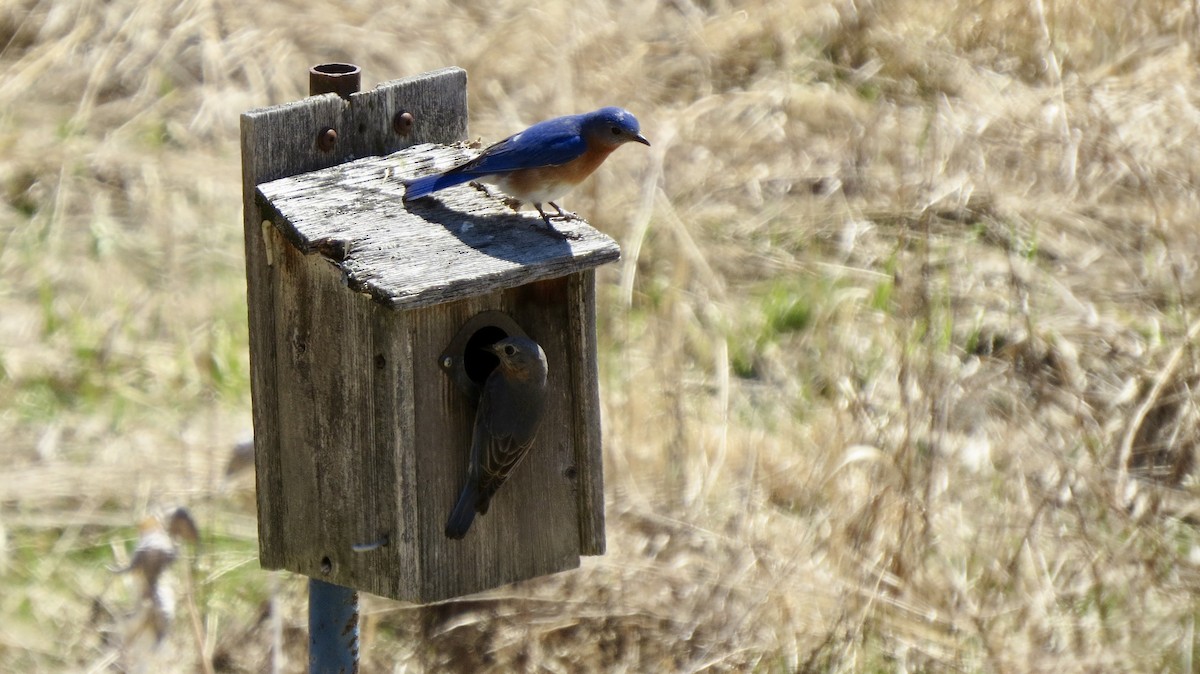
(520, 357)
(613, 126)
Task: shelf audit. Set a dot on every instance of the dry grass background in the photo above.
(898, 366)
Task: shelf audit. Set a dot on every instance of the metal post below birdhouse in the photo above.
(368, 318)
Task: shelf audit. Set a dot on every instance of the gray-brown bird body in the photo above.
(506, 425)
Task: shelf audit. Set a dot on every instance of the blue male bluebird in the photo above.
(543, 162)
(506, 423)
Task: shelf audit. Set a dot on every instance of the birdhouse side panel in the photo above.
(339, 390)
(386, 560)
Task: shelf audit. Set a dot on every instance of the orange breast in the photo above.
(548, 183)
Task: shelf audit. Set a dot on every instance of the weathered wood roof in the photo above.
(461, 242)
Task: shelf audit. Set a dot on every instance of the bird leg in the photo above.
(545, 218)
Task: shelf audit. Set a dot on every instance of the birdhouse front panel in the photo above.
(531, 527)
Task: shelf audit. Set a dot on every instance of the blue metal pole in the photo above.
(332, 628)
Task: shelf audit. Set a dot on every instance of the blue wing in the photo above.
(549, 143)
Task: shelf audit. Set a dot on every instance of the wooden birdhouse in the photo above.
(368, 318)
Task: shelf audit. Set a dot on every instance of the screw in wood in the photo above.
(403, 123)
(327, 139)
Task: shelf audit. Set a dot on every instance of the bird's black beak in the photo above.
(642, 139)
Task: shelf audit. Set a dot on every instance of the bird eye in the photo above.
(616, 130)
(510, 350)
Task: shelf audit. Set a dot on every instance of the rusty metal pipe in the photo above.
(342, 79)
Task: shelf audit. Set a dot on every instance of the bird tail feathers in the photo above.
(420, 187)
(463, 514)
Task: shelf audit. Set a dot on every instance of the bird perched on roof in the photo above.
(506, 424)
(543, 162)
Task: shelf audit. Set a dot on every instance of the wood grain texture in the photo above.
(462, 242)
(589, 464)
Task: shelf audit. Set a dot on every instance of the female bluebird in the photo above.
(506, 422)
(543, 162)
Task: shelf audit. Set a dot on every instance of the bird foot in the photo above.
(557, 233)
(566, 216)
(561, 215)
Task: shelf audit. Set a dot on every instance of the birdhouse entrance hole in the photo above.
(476, 361)
(465, 360)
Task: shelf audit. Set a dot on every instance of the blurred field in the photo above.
(898, 366)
